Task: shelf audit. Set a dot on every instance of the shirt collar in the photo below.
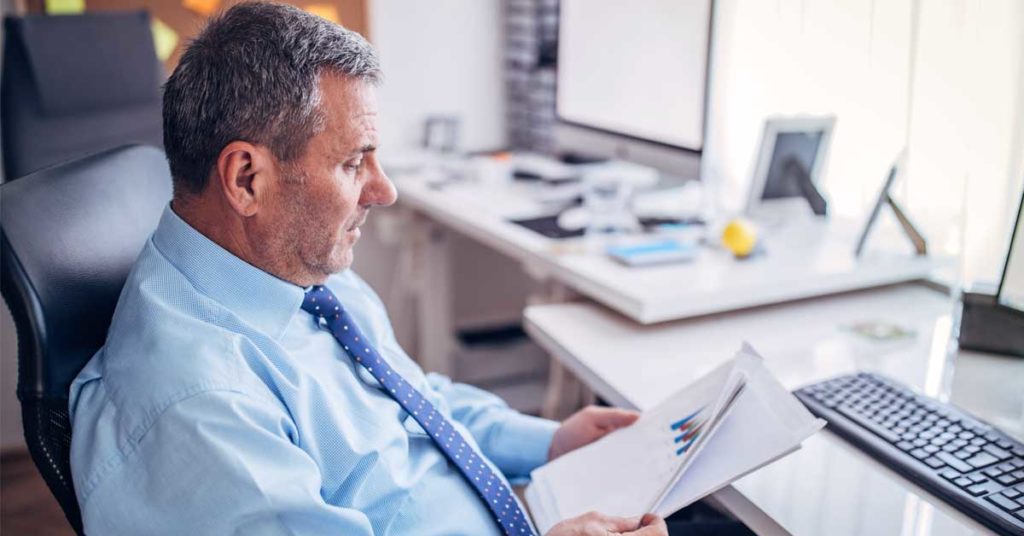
(255, 296)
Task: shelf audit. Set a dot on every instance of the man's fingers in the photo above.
(615, 418)
(620, 524)
(651, 525)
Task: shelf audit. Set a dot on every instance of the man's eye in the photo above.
(353, 166)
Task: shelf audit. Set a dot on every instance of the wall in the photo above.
(443, 57)
(967, 124)
(440, 57)
(947, 87)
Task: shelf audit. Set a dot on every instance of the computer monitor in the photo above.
(1011, 288)
(632, 81)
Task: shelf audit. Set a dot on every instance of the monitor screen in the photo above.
(1011, 291)
(635, 68)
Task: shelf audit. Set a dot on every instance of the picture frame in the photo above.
(790, 162)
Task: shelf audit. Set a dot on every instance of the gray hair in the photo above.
(252, 74)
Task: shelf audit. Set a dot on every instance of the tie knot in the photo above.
(320, 301)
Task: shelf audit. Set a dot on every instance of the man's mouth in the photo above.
(359, 223)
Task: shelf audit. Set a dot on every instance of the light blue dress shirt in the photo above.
(217, 406)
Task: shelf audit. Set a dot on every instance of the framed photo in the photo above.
(790, 161)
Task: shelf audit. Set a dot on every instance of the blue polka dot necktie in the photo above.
(321, 303)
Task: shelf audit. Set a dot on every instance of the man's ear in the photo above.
(243, 173)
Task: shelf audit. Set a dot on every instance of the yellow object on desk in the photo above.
(740, 237)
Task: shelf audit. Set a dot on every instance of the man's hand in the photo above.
(586, 426)
(595, 524)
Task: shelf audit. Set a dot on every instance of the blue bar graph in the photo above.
(689, 429)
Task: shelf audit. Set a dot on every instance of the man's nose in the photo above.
(379, 190)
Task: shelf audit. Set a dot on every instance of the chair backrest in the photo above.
(76, 85)
(69, 235)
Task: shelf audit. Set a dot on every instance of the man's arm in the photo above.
(219, 462)
(516, 443)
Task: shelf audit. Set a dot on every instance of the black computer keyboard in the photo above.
(962, 460)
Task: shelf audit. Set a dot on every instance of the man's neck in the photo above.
(224, 228)
(225, 232)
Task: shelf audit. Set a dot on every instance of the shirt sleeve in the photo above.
(219, 463)
(516, 443)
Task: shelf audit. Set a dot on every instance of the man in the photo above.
(250, 384)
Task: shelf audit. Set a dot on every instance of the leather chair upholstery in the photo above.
(75, 85)
(69, 235)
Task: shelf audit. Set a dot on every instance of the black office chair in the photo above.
(69, 235)
(75, 85)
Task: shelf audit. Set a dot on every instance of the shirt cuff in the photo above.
(522, 445)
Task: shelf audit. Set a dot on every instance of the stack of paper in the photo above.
(726, 424)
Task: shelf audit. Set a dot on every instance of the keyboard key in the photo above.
(1004, 444)
(920, 454)
(983, 489)
(851, 414)
(905, 445)
(979, 441)
(1013, 493)
(1006, 479)
(992, 472)
(1003, 502)
(935, 463)
(931, 449)
(962, 454)
(963, 482)
(949, 474)
(972, 448)
(983, 459)
(999, 453)
(954, 462)
(977, 479)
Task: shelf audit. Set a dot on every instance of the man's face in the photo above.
(326, 193)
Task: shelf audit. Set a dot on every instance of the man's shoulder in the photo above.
(167, 341)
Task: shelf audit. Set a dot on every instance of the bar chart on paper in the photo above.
(688, 430)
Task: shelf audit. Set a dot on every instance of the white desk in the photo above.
(826, 487)
(810, 259)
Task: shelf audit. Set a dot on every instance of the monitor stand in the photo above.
(987, 326)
